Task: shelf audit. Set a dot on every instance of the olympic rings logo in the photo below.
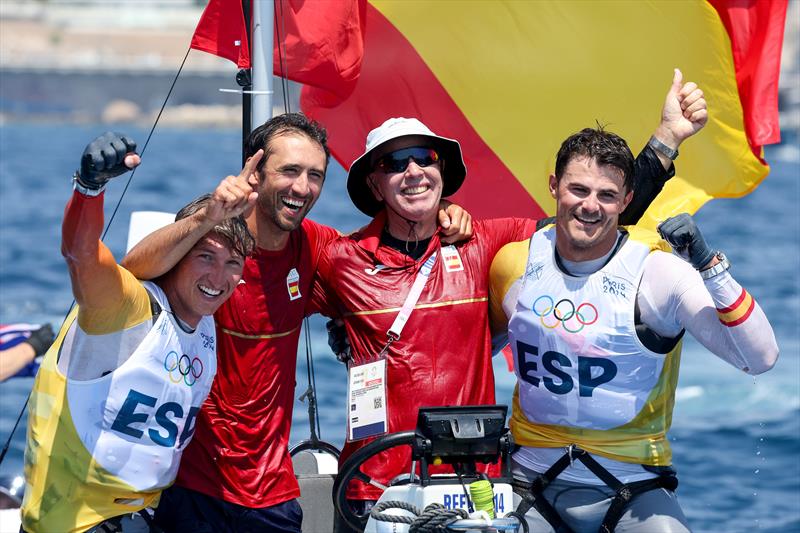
(572, 318)
(183, 368)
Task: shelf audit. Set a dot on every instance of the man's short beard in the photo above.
(286, 226)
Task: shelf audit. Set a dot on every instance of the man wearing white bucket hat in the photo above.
(398, 262)
(391, 147)
(415, 310)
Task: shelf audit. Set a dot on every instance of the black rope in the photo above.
(311, 391)
(457, 470)
(313, 378)
(102, 237)
(13, 430)
(434, 518)
(153, 129)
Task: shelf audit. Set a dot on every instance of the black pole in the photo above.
(245, 80)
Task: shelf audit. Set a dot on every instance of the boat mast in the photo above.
(256, 82)
(261, 53)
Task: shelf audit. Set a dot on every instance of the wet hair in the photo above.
(604, 147)
(233, 230)
(288, 123)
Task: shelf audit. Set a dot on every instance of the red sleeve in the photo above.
(82, 226)
(498, 232)
(110, 297)
(96, 277)
(323, 299)
(320, 237)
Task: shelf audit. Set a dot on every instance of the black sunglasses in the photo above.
(397, 161)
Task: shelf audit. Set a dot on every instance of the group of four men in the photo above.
(594, 314)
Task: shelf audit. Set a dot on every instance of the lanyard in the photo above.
(366, 387)
(402, 317)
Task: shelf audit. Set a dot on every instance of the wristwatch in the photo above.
(658, 146)
(86, 191)
(720, 267)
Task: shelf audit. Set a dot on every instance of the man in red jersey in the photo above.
(238, 476)
(415, 310)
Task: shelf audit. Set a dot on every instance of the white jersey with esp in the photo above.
(581, 362)
(148, 405)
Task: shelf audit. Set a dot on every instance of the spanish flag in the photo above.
(512, 79)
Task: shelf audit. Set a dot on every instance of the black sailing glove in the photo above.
(103, 159)
(684, 236)
(41, 339)
(337, 340)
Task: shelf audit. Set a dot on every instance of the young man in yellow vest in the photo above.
(594, 314)
(115, 400)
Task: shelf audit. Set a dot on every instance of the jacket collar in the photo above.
(369, 239)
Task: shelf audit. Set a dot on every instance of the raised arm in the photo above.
(706, 300)
(684, 113)
(157, 253)
(96, 279)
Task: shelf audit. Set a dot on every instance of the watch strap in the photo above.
(719, 268)
(83, 189)
(662, 148)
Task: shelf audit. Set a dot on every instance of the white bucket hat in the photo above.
(449, 150)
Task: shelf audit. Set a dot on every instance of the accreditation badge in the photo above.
(366, 400)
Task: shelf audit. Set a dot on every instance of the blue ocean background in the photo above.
(736, 439)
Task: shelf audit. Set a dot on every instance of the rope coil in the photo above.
(434, 518)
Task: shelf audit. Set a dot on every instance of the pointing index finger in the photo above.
(251, 164)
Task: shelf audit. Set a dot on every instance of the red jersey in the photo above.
(444, 354)
(240, 448)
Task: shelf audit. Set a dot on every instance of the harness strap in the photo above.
(537, 501)
(533, 495)
(155, 307)
(595, 468)
(626, 494)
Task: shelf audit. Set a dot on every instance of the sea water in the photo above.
(736, 439)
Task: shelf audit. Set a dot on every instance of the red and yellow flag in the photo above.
(510, 80)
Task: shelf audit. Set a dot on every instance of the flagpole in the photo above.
(262, 31)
